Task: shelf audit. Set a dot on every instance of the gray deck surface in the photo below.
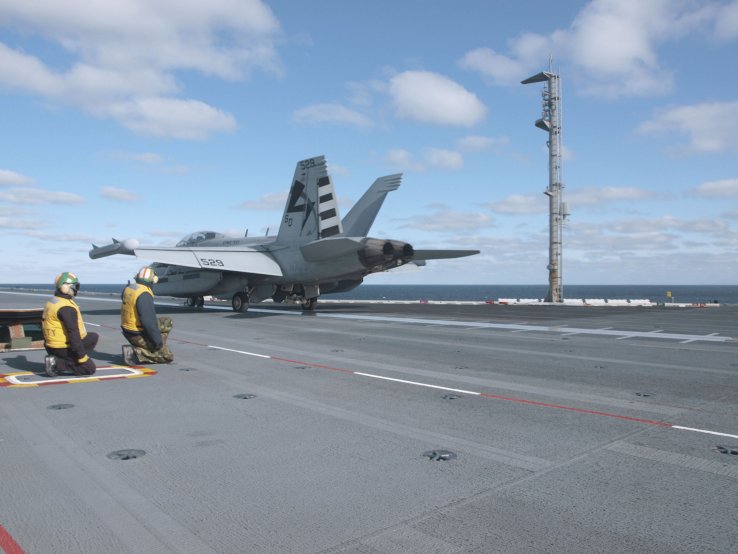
(575, 429)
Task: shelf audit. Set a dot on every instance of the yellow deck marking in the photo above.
(22, 379)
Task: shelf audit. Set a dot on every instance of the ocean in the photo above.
(723, 294)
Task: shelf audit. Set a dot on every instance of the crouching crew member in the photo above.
(66, 340)
(146, 333)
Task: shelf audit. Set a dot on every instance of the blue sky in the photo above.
(150, 119)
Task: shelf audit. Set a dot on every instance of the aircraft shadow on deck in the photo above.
(160, 310)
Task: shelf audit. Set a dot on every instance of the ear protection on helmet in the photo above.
(146, 276)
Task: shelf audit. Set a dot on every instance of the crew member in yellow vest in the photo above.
(66, 340)
(146, 333)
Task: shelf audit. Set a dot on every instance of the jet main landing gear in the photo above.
(195, 302)
(240, 302)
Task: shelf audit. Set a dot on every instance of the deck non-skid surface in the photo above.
(382, 428)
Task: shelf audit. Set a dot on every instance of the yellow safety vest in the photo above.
(129, 319)
(55, 335)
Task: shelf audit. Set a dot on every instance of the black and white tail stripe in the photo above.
(330, 222)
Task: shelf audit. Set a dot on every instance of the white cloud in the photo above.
(56, 237)
(724, 188)
(362, 93)
(726, 21)
(437, 158)
(444, 159)
(36, 196)
(331, 113)
(125, 54)
(15, 223)
(614, 42)
(521, 204)
(403, 160)
(428, 97)
(593, 195)
(222, 37)
(266, 202)
(498, 68)
(8, 177)
(709, 126)
(122, 195)
(23, 72)
(616, 238)
(152, 161)
(663, 224)
(476, 143)
(148, 158)
(335, 169)
(448, 220)
(531, 203)
(170, 117)
(612, 46)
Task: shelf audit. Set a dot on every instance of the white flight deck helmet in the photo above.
(146, 276)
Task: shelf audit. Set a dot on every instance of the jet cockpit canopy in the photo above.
(199, 236)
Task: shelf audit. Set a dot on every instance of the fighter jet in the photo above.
(314, 252)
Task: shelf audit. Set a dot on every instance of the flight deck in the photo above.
(380, 428)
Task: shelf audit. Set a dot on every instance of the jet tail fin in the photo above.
(361, 217)
(312, 210)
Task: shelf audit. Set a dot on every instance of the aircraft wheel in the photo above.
(191, 302)
(200, 302)
(279, 296)
(240, 302)
(308, 304)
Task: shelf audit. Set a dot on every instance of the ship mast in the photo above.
(550, 122)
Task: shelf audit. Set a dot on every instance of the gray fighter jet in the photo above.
(314, 253)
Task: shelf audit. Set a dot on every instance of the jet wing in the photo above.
(242, 260)
(442, 254)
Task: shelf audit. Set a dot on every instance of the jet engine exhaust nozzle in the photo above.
(385, 254)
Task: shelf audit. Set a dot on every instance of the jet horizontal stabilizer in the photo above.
(443, 254)
(333, 247)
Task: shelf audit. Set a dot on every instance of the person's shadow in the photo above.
(21, 363)
(116, 359)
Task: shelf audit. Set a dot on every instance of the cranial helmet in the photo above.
(67, 283)
(146, 276)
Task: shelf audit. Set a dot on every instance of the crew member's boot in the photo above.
(129, 356)
(50, 366)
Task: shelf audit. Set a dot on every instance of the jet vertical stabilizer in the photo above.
(312, 211)
(360, 218)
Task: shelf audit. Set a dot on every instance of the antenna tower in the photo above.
(550, 122)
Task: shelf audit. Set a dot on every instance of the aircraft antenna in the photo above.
(550, 122)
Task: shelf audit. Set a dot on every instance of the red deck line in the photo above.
(8, 544)
(309, 364)
(573, 409)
